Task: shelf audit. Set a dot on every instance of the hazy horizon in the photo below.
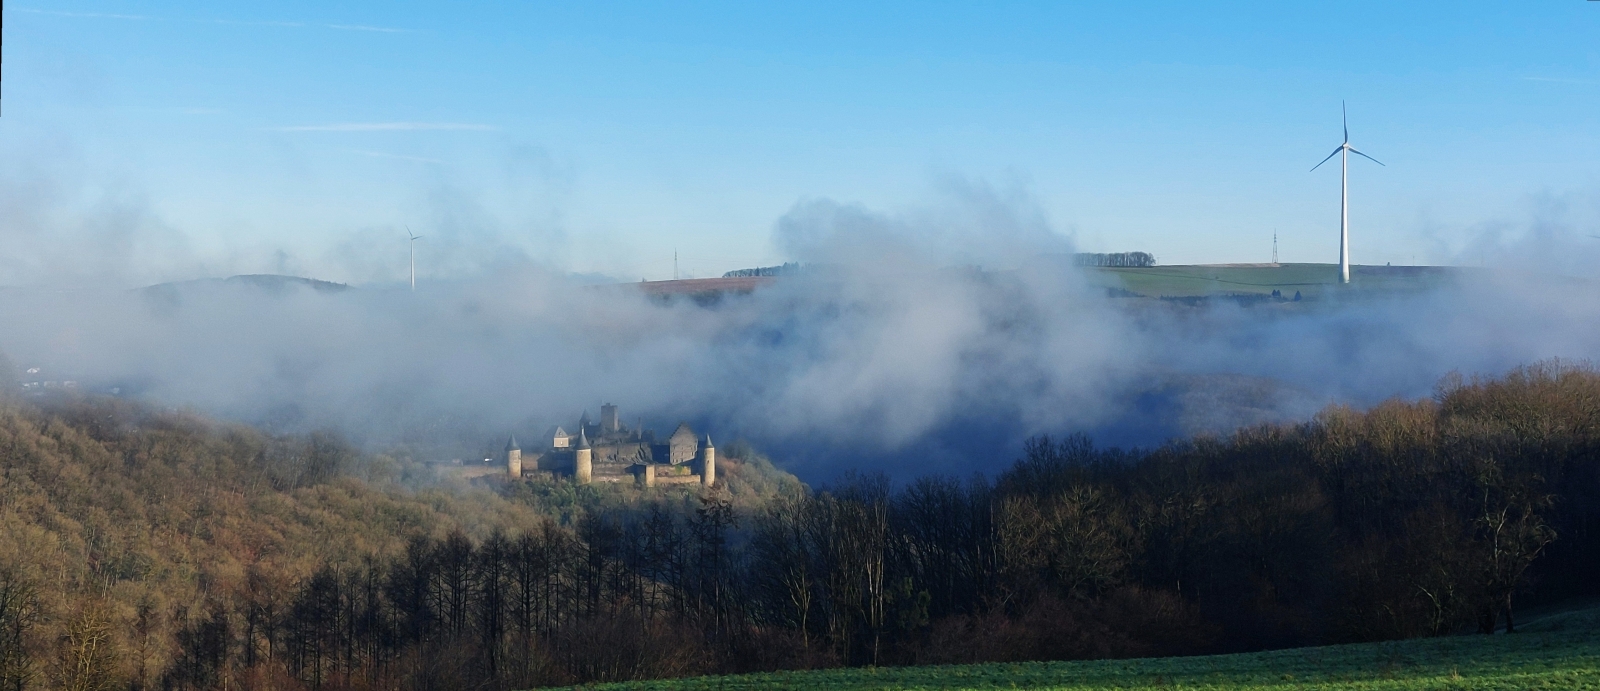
(150, 142)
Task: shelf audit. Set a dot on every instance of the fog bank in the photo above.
(927, 341)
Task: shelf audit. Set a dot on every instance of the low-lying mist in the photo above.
(922, 342)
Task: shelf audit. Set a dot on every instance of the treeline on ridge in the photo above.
(1414, 518)
(1115, 259)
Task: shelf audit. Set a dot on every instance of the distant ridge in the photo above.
(280, 281)
(269, 282)
(696, 286)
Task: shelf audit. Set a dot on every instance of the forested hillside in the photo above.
(152, 548)
(120, 527)
(143, 548)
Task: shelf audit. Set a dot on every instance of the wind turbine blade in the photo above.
(1329, 158)
(1369, 158)
(1344, 117)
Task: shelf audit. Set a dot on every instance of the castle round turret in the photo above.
(582, 459)
(708, 462)
(513, 457)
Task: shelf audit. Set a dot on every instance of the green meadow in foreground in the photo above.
(1557, 652)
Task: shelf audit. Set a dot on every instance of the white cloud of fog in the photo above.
(1559, 236)
(63, 228)
(69, 222)
(972, 223)
(898, 354)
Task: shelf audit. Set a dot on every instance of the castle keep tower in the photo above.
(513, 457)
(582, 461)
(608, 420)
(708, 462)
(681, 445)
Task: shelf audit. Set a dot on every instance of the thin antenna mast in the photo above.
(1274, 246)
(674, 263)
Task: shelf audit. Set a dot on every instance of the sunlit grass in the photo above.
(1561, 652)
(1313, 281)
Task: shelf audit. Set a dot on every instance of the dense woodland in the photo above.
(144, 548)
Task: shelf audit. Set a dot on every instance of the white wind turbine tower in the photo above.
(414, 239)
(1344, 192)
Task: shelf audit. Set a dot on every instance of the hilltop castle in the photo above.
(610, 452)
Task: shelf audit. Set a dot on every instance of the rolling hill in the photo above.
(1561, 651)
(1313, 281)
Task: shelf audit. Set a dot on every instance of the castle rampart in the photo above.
(610, 452)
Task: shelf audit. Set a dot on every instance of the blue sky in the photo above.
(207, 138)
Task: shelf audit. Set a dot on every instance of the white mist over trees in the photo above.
(961, 323)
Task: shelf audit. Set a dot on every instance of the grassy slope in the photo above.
(1558, 652)
(1312, 280)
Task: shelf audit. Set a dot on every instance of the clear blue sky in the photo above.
(600, 136)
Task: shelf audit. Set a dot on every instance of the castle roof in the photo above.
(683, 431)
(708, 441)
(583, 439)
(511, 445)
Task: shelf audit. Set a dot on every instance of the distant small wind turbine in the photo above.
(1344, 192)
(414, 239)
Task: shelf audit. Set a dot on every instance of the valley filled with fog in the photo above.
(922, 342)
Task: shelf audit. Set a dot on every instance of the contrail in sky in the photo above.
(230, 22)
(389, 127)
(1559, 80)
(82, 15)
(380, 154)
(363, 27)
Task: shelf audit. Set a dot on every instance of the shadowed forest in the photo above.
(143, 548)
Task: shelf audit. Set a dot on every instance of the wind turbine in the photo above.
(414, 239)
(1344, 192)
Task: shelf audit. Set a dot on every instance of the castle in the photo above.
(610, 452)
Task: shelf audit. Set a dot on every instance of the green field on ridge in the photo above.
(1313, 281)
(1557, 652)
